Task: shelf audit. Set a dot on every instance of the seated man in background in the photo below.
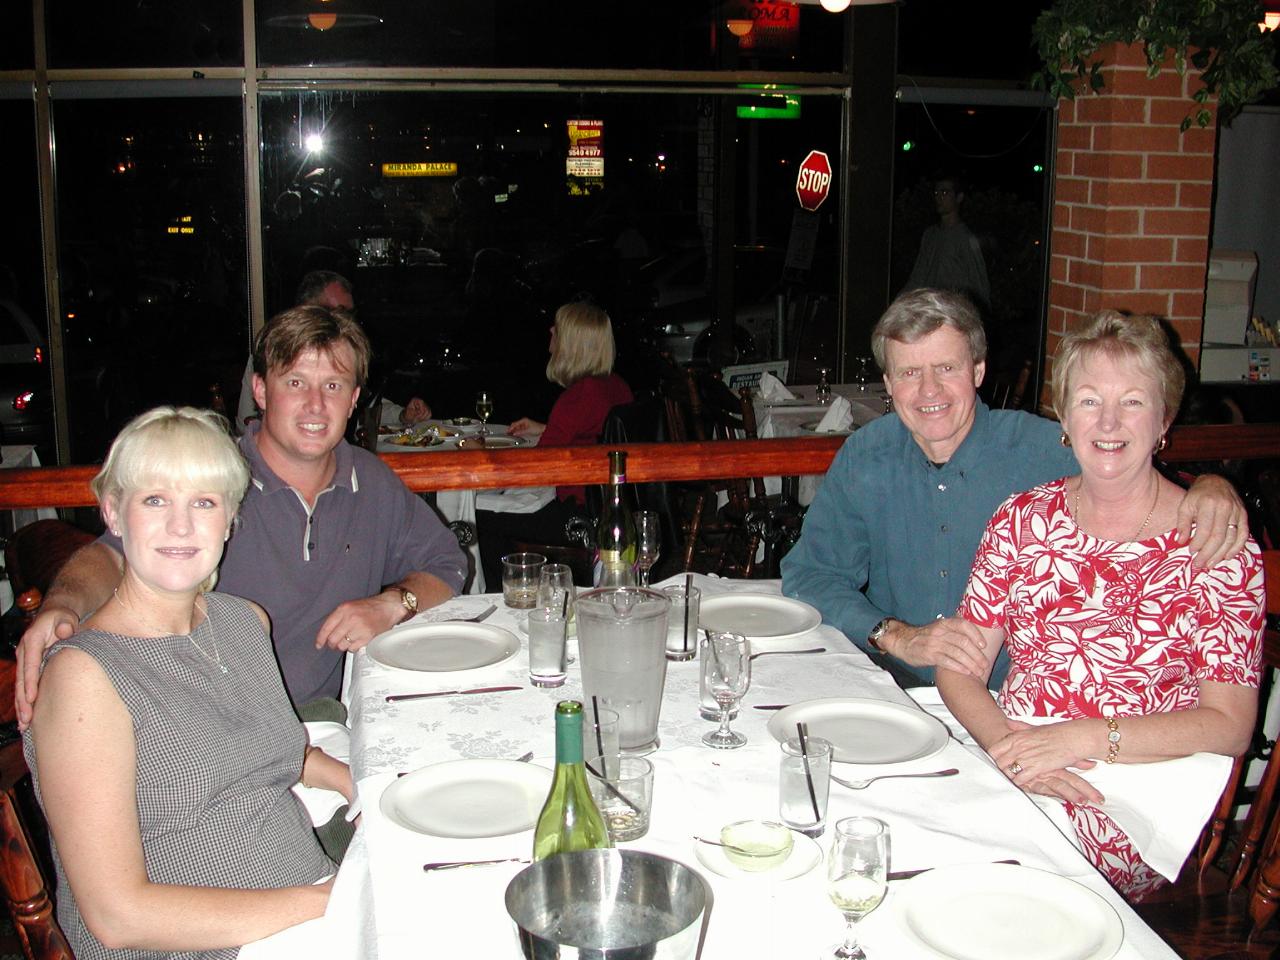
(329, 541)
(888, 541)
(324, 288)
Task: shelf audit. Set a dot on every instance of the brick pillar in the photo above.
(1132, 201)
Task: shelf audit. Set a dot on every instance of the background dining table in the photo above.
(385, 905)
(462, 504)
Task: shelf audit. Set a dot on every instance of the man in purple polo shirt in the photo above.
(328, 540)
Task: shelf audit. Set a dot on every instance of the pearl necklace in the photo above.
(1075, 509)
(216, 659)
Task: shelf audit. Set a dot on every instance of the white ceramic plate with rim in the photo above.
(468, 798)
(759, 616)
(805, 855)
(443, 647)
(1000, 911)
(490, 442)
(864, 730)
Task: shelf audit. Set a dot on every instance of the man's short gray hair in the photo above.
(915, 315)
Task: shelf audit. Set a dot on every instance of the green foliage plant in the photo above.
(1221, 39)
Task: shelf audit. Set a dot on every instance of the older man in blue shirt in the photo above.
(889, 539)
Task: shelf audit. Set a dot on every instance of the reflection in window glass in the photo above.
(15, 38)
(146, 33)
(996, 163)
(26, 400)
(151, 258)
(464, 221)
(581, 34)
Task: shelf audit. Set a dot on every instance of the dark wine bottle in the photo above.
(616, 530)
(569, 819)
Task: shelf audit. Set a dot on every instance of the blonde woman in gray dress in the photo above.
(163, 744)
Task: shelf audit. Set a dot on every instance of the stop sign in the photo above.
(813, 182)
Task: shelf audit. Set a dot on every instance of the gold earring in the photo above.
(1064, 439)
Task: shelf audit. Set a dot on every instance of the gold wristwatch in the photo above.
(408, 600)
(877, 632)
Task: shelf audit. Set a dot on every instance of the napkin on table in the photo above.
(515, 499)
(771, 388)
(838, 418)
(1161, 806)
(335, 740)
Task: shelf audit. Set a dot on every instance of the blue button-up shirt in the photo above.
(892, 535)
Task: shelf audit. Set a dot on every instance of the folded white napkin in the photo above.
(515, 500)
(335, 740)
(771, 388)
(1161, 806)
(838, 418)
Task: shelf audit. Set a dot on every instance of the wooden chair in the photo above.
(700, 407)
(1265, 896)
(33, 556)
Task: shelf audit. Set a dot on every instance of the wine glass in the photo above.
(856, 876)
(484, 410)
(648, 543)
(726, 675)
(863, 375)
(823, 390)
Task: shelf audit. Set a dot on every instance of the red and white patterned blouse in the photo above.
(1097, 628)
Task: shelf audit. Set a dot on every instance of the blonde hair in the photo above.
(293, 332)
(180, 447)
(584, 344)
(1111, 333)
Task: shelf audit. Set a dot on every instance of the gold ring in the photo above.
(1015, 768)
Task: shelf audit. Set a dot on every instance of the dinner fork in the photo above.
(476, 619)
(863, 784)
(782, 653)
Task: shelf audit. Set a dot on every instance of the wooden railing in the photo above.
(646, 462)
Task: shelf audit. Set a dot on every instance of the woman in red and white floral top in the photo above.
(1108, 623)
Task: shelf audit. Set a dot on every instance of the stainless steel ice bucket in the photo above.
(607, 905)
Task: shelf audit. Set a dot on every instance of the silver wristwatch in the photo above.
(877, 632)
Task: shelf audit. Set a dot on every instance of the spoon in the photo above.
(728, 846)
(780, 653)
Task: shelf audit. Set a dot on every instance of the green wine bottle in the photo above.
(569, 819)
(616, 530)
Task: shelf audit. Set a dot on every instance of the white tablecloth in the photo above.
(384, 905)
(793, 419)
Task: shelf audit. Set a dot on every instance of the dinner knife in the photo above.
(771, 706)
(397, 697)
(908, 874)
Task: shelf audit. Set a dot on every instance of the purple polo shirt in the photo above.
(366, 531)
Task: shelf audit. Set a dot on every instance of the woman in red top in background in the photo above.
(582, 354)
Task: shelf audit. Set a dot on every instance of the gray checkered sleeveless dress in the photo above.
(217, 754)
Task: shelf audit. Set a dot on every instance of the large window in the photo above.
(464, 220)
(144, 33)
(571, 34)
(151, 259)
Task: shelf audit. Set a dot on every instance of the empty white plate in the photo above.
(468, 798)
(760, 616)
(443, 647)
(996, 911)
(864, 731)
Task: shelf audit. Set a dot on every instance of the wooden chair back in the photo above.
(1264, 898)
(22, 832)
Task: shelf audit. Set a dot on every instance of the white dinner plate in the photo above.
(443, 647)
(864, 731)
(490, 443)
(758, 615)
(995, 911)
(468, 798)
(805, 855)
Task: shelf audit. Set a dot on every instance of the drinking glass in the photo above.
(856, 876)
(682, 624)
(823, 389)
(547, 659)
(555, 589)
(520, 579)
(648, 543)
(484, 410)
(726, 674)
(863, 374)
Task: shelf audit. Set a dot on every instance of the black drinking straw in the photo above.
(808, 774)
(688, 586)
(595, 709)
